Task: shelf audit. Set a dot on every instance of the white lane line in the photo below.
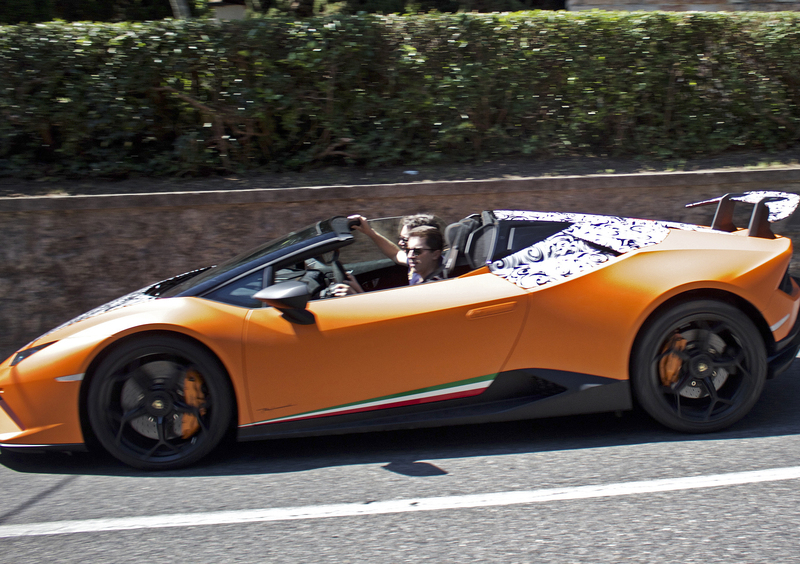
(397, 506)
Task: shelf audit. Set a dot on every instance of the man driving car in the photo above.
(423, 255)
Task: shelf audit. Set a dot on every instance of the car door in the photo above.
(382, 349)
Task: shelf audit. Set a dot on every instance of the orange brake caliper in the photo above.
(669, 367)
(194, 396)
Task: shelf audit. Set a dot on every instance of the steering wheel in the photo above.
(339, 275)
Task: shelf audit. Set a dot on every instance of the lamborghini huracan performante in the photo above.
(539, 314)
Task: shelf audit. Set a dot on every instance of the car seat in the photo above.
(455, 236)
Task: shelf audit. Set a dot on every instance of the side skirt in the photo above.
(66, 447)
(514, 395)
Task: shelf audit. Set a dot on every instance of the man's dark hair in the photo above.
(430, 234)
(418, 220)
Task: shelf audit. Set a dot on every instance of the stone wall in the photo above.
(60, 256)
(686, 5)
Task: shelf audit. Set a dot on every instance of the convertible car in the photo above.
(540, 314)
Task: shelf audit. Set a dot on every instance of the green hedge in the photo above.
(198, 97)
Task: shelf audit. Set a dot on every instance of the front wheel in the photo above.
(159, 402)
(699, 367)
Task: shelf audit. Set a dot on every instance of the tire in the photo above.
(699, 367)
(159, 402)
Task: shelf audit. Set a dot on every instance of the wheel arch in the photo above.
(705, 294)
(86, 430)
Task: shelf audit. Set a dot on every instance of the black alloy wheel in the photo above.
(699, 367)
(160, 402)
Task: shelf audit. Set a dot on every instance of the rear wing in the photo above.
(768, 207)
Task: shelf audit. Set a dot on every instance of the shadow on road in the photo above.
(402, 451)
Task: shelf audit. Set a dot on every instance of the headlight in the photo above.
(22, 355)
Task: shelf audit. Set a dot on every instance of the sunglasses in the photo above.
(417, 251)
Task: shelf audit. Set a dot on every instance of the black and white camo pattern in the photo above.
(778, 209)
(590, 241)
(557, 257)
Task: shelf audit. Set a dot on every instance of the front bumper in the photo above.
(785, 352)
(10, 425)
(14, 435)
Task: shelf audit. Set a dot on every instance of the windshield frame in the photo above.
(319, 234)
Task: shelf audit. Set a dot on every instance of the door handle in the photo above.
(488, 311)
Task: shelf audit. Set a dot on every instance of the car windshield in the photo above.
(264, 250)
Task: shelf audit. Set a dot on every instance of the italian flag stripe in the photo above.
(454, 390)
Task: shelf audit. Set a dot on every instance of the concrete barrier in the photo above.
(60, 256)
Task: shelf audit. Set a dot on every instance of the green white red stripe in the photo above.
(453, 390)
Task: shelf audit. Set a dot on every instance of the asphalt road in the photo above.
(580, 489)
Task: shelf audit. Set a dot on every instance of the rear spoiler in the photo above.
(768, 207)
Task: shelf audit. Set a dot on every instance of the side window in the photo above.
(240, 292)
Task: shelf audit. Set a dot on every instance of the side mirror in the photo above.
(290, 298)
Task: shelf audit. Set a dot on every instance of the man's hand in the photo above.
(348, 287)
(362, 225)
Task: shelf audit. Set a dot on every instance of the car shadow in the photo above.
(410, 452)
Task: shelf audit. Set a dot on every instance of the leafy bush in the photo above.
(197, 97)
(402, 6)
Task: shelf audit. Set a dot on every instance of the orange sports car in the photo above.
(539, 314)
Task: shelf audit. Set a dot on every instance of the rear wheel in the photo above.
(699, 367)
(159, 403)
